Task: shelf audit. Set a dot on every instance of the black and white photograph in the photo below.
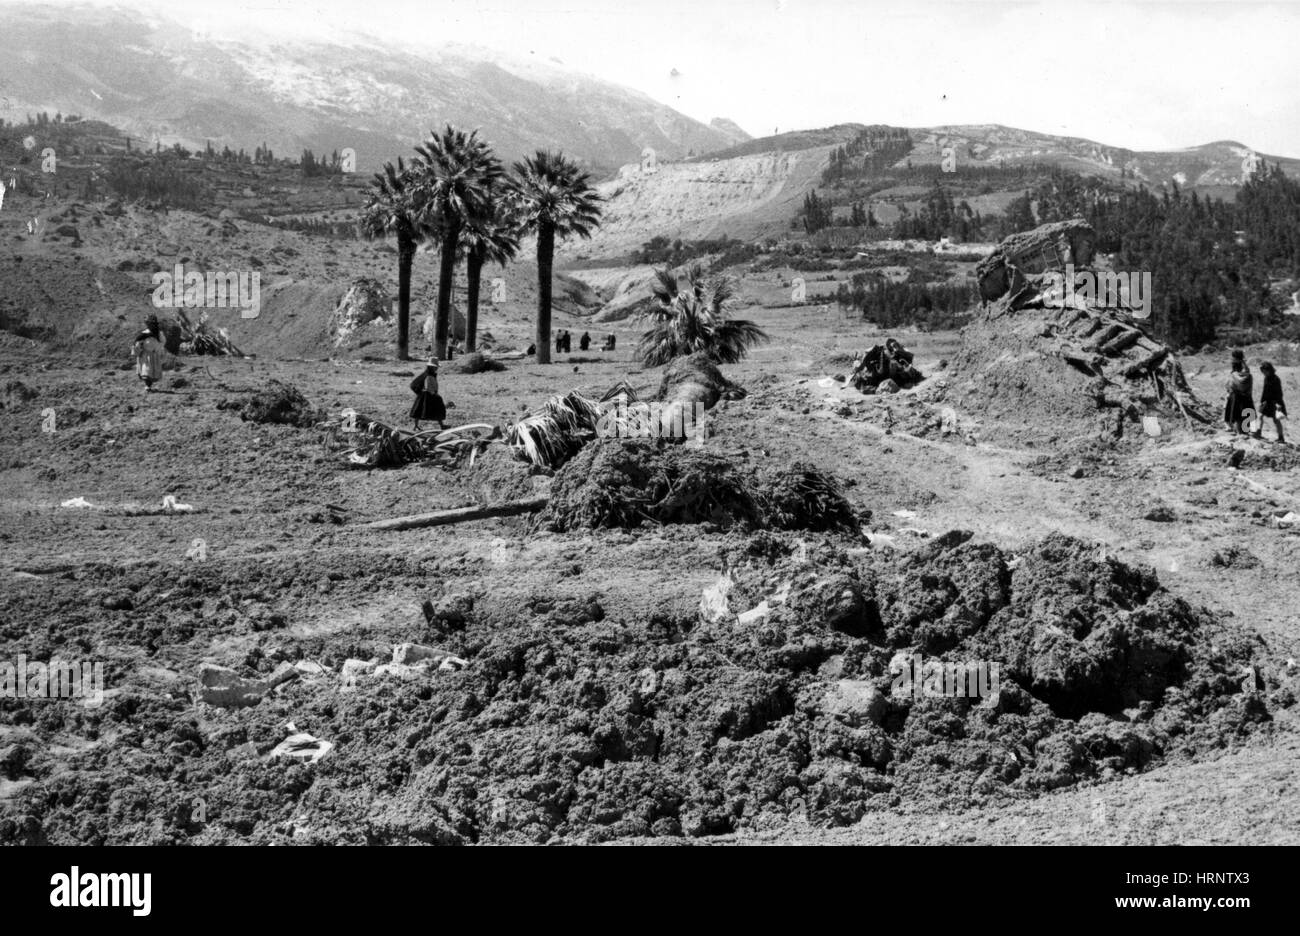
(692, 423)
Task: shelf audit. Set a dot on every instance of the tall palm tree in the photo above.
(693, 318)
(491, 237)
(554, 199)
(393, 208)
(455, 175)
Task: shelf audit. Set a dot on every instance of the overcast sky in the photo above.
(1141, 75)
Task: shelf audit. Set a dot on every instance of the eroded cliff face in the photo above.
(745, 197)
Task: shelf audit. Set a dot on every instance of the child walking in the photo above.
(1270, 401)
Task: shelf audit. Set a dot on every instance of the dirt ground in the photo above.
(272, 566)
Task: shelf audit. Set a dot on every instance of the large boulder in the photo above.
(1046, 247)
(365, 301)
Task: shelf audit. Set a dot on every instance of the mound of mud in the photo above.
(797, 687)
(1044, 374)
(476, 362)
(277, 402)
(627, 483)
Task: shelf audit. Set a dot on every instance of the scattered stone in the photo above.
(224, 688)
(856, 702)
(301, 747)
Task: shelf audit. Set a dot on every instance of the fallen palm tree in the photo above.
(201, 338)
(369, 443)
(559, 430)
(551, 436)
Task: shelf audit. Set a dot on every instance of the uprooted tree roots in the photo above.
(627, 483)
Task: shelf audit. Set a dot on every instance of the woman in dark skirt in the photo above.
(1271, 404)
(1241, 394)
(428, 404)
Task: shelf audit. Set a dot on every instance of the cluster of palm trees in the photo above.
(456, 194)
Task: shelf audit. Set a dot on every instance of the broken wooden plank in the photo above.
(457, 515)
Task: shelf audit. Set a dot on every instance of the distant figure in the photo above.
(611, 341)
(568, 342)
(428, 330)
(559, 341)
(1241, 393)
(584, 342)
(148, 352)
(428, 403)
(1270, 400)
(532, 349)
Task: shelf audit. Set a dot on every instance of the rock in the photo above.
(352, 670)
(451, 612)
(1076, 471)
(118, 602)
(224, 688)
(856, 702)
(713, 603)
(887, 386)
(301, 747)
(408, 654)
(365, 301)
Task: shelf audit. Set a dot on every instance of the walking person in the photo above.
(1241, 393)
(584, 342)
(1271, 402)
(428, 403)
(148, 352)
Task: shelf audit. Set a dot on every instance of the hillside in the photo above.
(756, 188)
(159, 81)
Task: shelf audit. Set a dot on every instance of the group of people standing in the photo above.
(564, 343)
(1240, 407)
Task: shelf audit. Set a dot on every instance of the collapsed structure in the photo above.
(1011, 356)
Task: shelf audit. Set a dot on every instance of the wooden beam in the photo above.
(457, 515)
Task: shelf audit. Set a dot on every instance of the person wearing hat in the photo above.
(1270, 400)
(428, 404)
(1241, 394)
(148, 353)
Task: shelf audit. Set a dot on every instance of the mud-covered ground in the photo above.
(1137, 594)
